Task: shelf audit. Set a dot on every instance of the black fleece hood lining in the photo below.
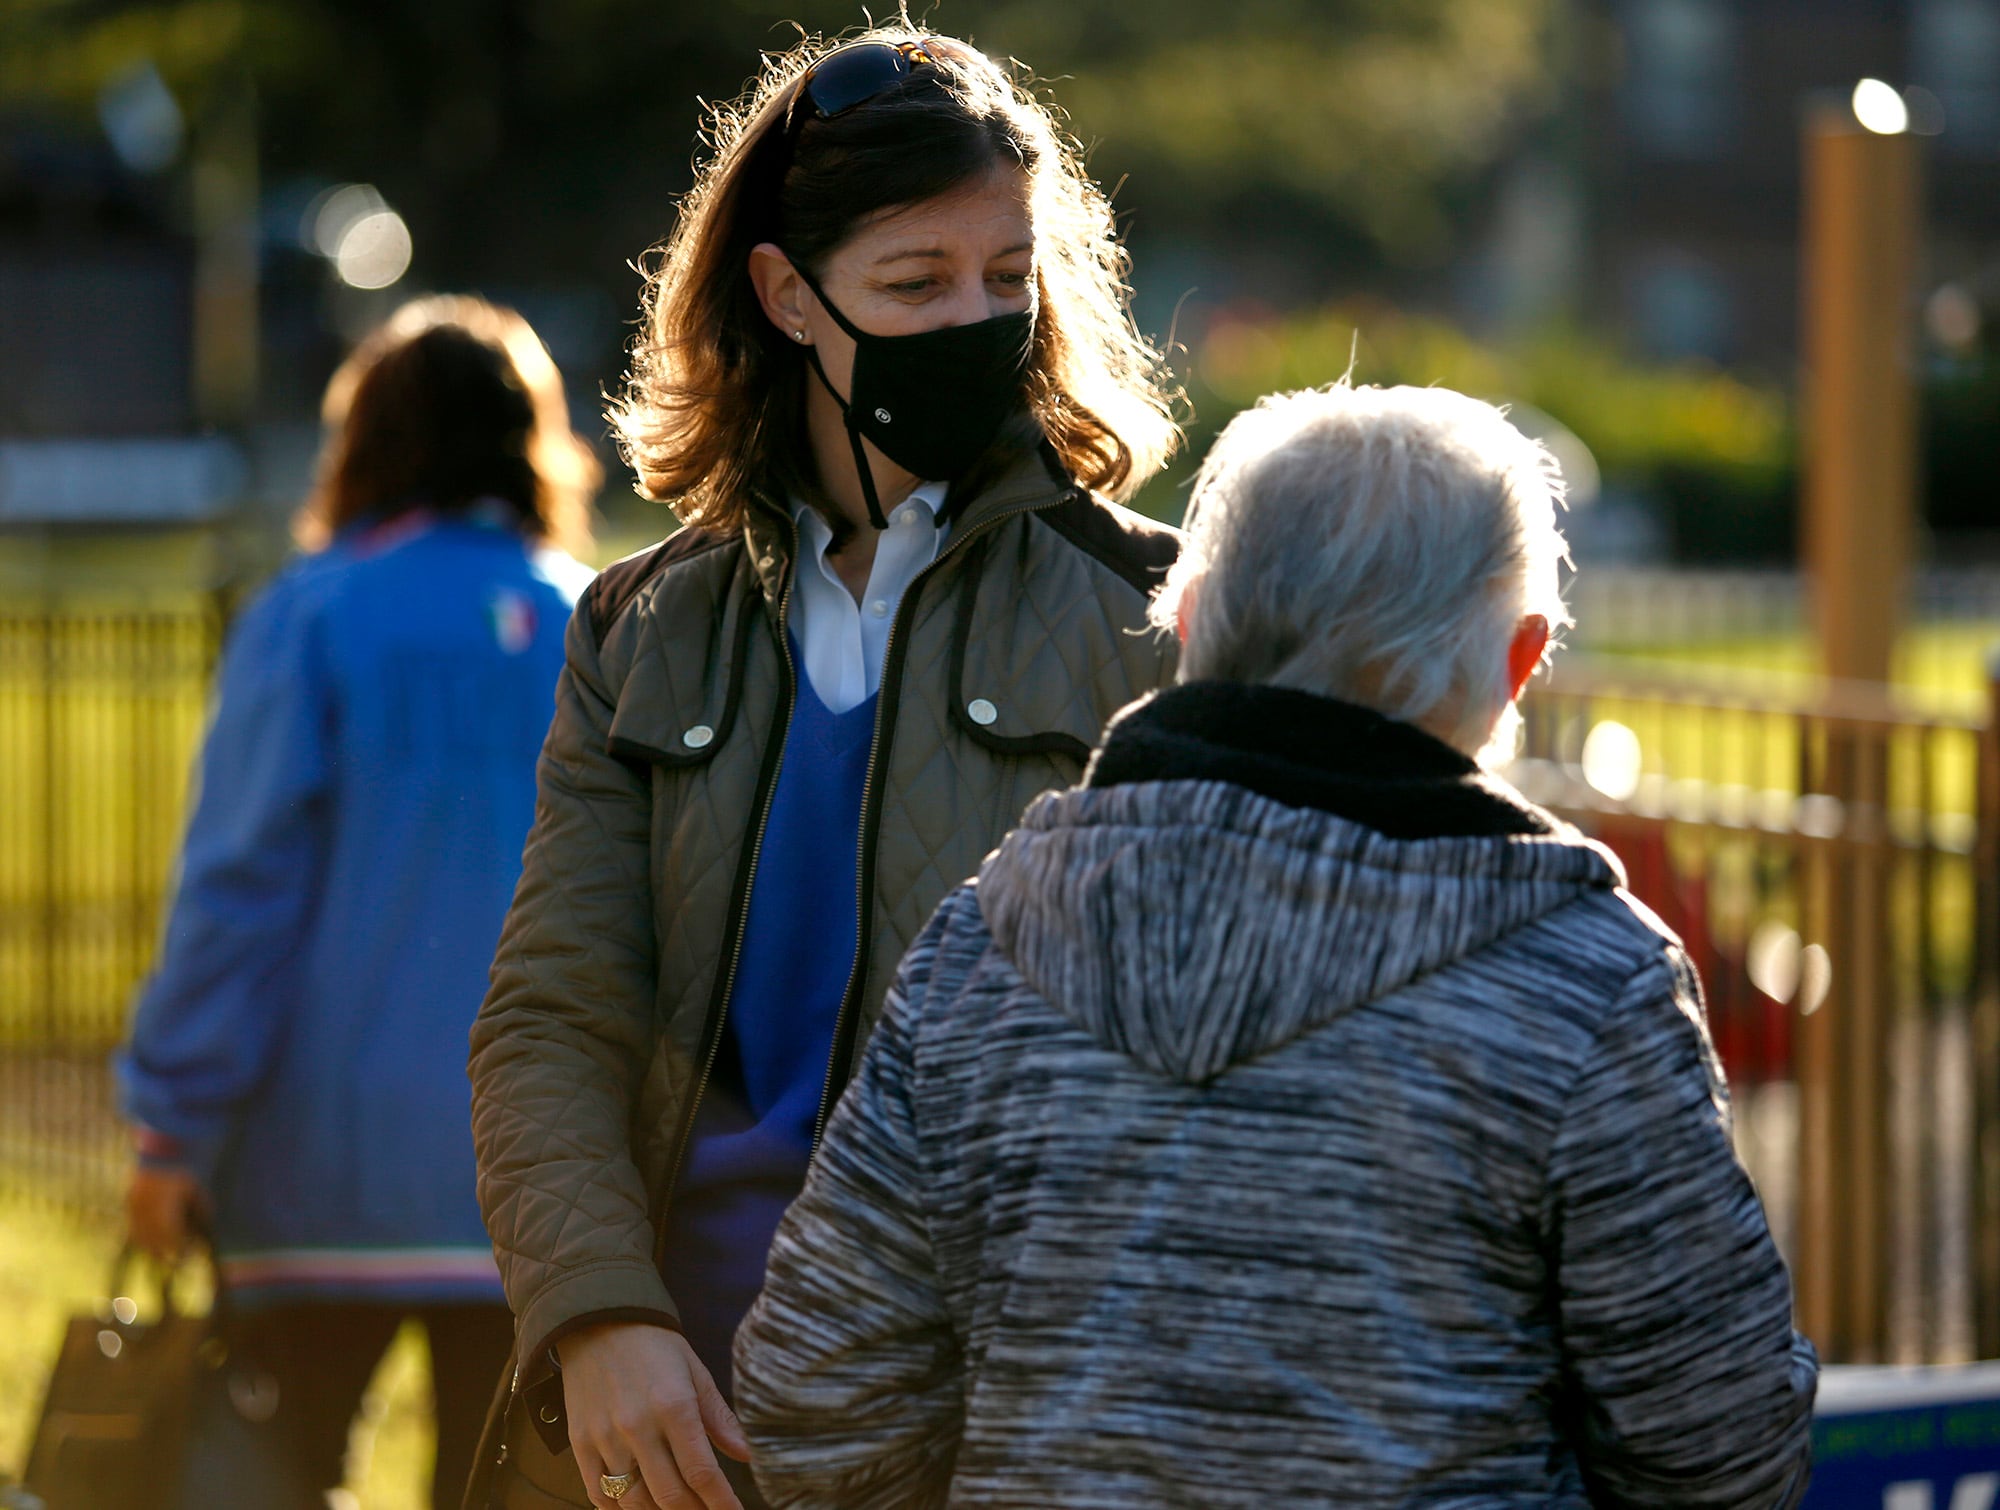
(1308, 751)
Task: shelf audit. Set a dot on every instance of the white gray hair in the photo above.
(1377, 545)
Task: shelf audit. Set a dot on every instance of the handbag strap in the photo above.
(169, 1276)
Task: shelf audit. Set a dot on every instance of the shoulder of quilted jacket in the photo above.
(1137, 549)
(1049, 632)
(672, 626)
(615, 589)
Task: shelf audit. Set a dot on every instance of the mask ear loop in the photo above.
(861, 467)
(866, 473)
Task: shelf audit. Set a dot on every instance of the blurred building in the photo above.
(100, 417)
(1690, 115)
(95, 291)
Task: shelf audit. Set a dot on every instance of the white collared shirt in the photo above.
(841, 641)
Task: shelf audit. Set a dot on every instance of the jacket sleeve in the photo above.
(564, 1034)
(848, 1371)
(210, 1018)
(1689, 1386)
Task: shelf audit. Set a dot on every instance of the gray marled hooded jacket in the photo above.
(1291, 1116)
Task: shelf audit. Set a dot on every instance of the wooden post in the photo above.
(1986, 1033)
(1816, 1250)
(1860, 258)
(225, 279)
(1861, 236)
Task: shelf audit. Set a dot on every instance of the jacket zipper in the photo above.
(741, 923)
(892, 670)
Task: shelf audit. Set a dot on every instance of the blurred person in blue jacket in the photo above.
(296, 1074)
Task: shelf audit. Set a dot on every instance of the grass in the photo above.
(49, 1268)
(52, 1266)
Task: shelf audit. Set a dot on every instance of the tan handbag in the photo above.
(114, 1424)
(155, 1413)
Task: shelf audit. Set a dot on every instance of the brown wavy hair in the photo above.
(712, 411)
(450, 402)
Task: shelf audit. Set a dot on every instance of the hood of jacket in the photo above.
(1244, 864)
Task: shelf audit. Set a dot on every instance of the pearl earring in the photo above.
(798, 335)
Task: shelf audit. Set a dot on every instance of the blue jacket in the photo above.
(365, 792)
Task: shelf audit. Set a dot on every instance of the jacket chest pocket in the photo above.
(1038, 665)
(681, 701)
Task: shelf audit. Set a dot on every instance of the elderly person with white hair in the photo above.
(1293, 1114)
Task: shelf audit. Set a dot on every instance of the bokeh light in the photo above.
(1773, 960)
(1880, 108)
(333, 211)
(142, 120)
(1951, 314)
(1613, 760)
(1815, 978)
(374, 251)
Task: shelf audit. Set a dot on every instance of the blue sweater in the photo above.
(753, 1133)
(365, 792)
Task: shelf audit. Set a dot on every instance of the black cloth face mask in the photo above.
(933, 402)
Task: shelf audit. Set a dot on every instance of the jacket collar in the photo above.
(1032, 480)
(1308, 751)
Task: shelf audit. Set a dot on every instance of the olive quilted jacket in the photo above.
(1007, 657)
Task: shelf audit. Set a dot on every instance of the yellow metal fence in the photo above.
(101, 707)
(1832, 858)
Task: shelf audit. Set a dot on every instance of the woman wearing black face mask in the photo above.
(887, 380)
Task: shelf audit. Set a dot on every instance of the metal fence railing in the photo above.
(101, 707)
(1827, 855)
(1830, 855)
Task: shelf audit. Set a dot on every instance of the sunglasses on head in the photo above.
(850, 76)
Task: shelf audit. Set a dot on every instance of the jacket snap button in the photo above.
(548, 1415)
(881, 416)
(981, 712)
(698, 737)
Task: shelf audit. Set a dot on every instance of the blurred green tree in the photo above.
(1368, 112)
(1711, 451)
(527, 138)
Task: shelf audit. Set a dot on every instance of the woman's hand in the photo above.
(160, 1207)
(639, 1401)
